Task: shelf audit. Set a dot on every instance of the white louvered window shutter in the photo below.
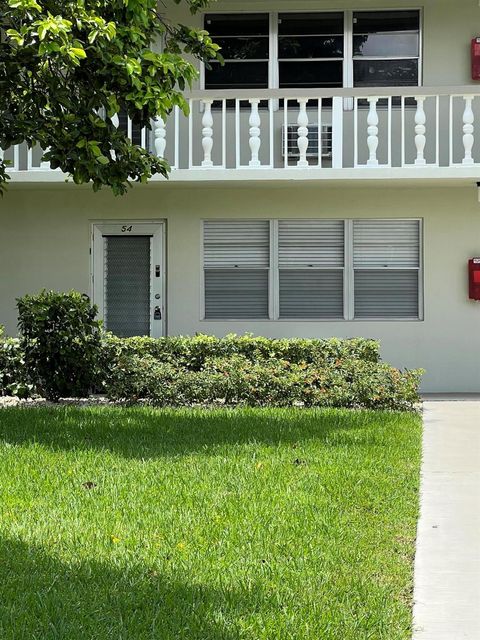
(236, 269)
(311, 265)
(386, 260)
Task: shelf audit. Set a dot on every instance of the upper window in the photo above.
(311, 49)
(245, 42)
(386, 48)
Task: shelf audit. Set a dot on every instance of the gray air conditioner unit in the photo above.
(312, 151)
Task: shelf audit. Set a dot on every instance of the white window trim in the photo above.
(348, 277)
(348, 58)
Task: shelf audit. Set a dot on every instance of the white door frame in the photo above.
(154, 229)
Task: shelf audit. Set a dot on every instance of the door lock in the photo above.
(157, 313)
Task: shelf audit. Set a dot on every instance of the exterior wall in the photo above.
(446, 34)
(46, 235)
(448, 28)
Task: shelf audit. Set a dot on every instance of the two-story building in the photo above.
(324, 184)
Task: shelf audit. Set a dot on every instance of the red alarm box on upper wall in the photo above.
(474, 279)
(476, 59)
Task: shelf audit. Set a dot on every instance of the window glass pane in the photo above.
(237, 75)
(368, 22)
(386, 34)
(237, 24)
(325, 24)
(244, 48)
(242, 37)
(311, 74)
(385, 73)
(310, 47)
(386, 45)
(136, 130)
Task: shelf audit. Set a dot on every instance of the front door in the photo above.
(128, 277)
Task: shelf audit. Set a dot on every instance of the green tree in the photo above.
(68, 66)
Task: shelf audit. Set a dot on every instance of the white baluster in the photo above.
(302, 132)
(116, 123)
(160, 135)
(372, 130)
(255, 141)
(420, 130)
(207, 134)
(337, 133)
(468, 129)
(2, 154)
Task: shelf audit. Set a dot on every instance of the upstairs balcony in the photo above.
(411, 133)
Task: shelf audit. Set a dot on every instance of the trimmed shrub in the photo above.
(267, 382)
(347, 383)
(62, 352)
(141, 377)
(13, 376)
(192, 352)
(61, 342)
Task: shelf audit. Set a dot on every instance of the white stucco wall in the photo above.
(45, 242)
(447, 30)
(45, 231)
(448, 27)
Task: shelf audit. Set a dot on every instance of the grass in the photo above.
(132, 524)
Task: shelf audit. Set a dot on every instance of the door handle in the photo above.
(157, 313)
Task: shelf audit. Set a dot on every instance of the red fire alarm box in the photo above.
(474, 279)
(476, 59)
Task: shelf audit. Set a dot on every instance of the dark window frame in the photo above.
(349, 58)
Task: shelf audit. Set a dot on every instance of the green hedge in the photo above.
(248, 371)
(62, 351)
(13, 374)
(61, 342)
(192, 353)
(237, 380)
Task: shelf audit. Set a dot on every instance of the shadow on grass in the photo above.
(43, 598)
(148, 433)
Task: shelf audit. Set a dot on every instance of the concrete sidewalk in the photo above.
(447, 562)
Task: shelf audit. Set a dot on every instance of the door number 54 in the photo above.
(127, 228)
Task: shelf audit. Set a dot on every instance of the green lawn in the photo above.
(130, 524)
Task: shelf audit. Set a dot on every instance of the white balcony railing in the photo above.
(276, 134)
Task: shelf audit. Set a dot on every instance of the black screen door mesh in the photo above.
(127, 285)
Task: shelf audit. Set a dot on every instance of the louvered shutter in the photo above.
(386, 255)
(311, 261)
(236, 269)
(127, 285)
